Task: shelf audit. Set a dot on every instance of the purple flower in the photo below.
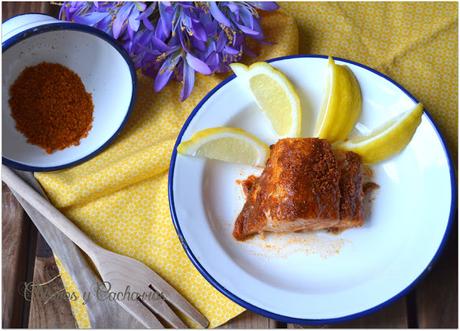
(115, 18)
(176, 39)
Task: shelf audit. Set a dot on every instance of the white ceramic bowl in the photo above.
(104, 67)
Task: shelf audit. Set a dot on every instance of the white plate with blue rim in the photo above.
(315, 278)
(104, 67)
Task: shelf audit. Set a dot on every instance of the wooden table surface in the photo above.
(26, 258)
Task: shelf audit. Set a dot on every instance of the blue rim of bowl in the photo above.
(273, 315)
(86, 29)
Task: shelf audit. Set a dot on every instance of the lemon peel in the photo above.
(341, 106)
(387, 140)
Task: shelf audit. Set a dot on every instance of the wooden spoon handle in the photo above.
(44, 207)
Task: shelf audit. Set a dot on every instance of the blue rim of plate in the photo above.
(86, 29)
(273, 315)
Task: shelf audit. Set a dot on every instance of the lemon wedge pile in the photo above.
(341, 106)
(387, 140)
(275, 95)
(226, 144)
(279, 101)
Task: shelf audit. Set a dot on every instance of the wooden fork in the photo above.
(102, 314)
(149, 293)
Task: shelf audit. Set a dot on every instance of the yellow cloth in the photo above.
(120, 197)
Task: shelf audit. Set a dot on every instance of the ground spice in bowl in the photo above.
(51, 106)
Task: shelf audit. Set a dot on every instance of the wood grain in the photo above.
(392, 316)
(12, 8)
(15, 232)
(437, 295)
(250, 320)
(49, 307)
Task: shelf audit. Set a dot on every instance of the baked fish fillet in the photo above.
(304, 186)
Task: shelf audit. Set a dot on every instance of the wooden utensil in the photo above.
(102, 314)
(121, 272)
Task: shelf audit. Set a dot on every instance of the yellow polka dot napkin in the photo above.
(119, 198)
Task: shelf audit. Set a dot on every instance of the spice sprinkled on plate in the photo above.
(51, 106)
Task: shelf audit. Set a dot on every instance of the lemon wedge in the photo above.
(341, 106)
(226, 144)
(388, 140)
(275, 95)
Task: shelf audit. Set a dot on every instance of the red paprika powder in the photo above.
(51, 106)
